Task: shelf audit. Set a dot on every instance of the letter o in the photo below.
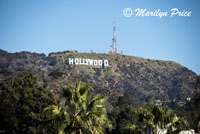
(76, 61)
(100, 63)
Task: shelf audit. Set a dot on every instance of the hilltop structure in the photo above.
(113, 47)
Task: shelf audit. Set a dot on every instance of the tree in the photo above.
(192, 109)
(129, 129)
(83, 114)
(127, 100)
(22, 100)
(165, 119)
(176, 125)
(149, 120)
(56, 116)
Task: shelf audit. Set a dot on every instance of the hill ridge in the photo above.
(162, 79)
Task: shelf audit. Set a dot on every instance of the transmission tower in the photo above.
(113, 47)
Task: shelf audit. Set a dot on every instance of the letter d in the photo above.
(106, 63)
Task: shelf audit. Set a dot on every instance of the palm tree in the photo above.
(141, 122)
(176, 125)
(166, 120)
(161, 117)
(129, 129)
(83, 114)
(56, 116)
(155, 120)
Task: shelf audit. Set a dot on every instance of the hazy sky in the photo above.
(46, 26)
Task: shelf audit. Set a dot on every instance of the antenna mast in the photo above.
(113, 47)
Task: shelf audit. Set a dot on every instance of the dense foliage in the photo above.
(22, 101)
(25, 108)
(192, 109)
(83, 114)
(150, 120)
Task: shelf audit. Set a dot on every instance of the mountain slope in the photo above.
(147, 79)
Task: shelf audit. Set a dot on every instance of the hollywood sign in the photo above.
(91, 62)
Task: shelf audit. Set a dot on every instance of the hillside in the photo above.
(147, 79)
